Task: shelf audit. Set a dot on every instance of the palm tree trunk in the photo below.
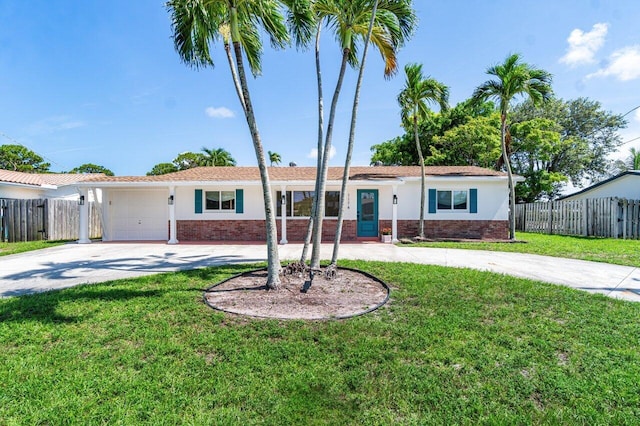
(234, 75)
(422, 178)
(314, 205)
(352, 138)
(317, 224)
(512, 190)
(273, 261)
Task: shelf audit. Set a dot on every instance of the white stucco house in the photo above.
(625, 185)
(226, 203)
(21, 186)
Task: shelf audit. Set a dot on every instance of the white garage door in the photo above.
(138, 215)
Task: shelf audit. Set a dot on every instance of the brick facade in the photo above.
(461, 229)
(254, 230)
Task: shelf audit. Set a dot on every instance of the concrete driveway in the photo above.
(73, 264)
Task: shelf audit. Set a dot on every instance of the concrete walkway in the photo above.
(73, 264)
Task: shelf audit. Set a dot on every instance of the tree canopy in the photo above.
(21, 159)
(91, 168)
(218, 157)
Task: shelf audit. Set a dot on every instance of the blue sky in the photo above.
(99, 82)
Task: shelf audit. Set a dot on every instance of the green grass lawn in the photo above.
(13, 248)
(452, 346)
(619, 252)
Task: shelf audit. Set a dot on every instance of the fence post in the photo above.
(550, 226)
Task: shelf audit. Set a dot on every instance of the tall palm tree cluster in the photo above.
(198, 25)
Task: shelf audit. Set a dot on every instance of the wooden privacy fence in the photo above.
(31, 220)
(599, 217)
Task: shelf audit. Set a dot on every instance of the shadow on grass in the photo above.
(43, 307)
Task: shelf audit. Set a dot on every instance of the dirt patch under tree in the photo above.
(347, 294)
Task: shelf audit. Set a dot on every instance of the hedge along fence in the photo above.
(599, 217)
(43, 219)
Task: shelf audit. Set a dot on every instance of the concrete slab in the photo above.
(73, 264)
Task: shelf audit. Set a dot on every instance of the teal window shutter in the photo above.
(239, 200)
(473, 200)
(198, 204)
(432, 200)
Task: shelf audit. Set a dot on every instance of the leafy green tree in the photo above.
(163, 169)
(274, 158)
(189, 160)
(474, 143)
(91, 168)
(197, 25)
(537, 145)
(216, 157)
(402, 150)
(513, 78)
(21, 159)
(588, 135)
(414, 98)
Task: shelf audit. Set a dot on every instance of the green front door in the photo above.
(367, 212)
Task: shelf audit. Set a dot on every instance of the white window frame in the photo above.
(220, 209)
(452, 209)
(289, 203)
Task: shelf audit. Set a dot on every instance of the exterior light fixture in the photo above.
(283, 199)
(170, 200)
(81, 200)
(395, 199)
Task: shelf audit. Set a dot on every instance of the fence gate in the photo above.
(31, 220)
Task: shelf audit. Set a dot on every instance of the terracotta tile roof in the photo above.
(299, 174)
(40, 179)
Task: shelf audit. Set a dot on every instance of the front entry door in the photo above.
(367, 212)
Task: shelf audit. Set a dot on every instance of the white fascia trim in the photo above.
(28, 185)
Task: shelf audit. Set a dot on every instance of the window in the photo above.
(220, 200)
(452, 200)
(299, 203)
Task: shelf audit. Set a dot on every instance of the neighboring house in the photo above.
(19, 185)
(625, 185)
(226, 204)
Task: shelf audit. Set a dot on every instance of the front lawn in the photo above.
(452, 347)
(608, 250)
(19, 247)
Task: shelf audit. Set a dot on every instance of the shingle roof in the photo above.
(300, 174)
(42, 179)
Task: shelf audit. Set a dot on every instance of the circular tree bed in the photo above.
(349, 293)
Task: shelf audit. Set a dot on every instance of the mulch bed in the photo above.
(348, 294)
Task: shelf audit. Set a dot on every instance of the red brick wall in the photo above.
(471, 229)
(254, 230)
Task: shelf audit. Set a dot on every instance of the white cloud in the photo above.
(637, 115)
(220, 112)
(314, 153)
(624, 64)
(55, 124)
(583, 46)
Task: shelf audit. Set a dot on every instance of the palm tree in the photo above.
(513, 78)
(634, 159)
(393, 23)
(217, 157)
(274, 157)
(418, 92)
(196, 25)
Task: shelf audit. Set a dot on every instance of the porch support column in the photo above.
(283, 214)
(394, 216)
(83, 202)
(172, 216)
